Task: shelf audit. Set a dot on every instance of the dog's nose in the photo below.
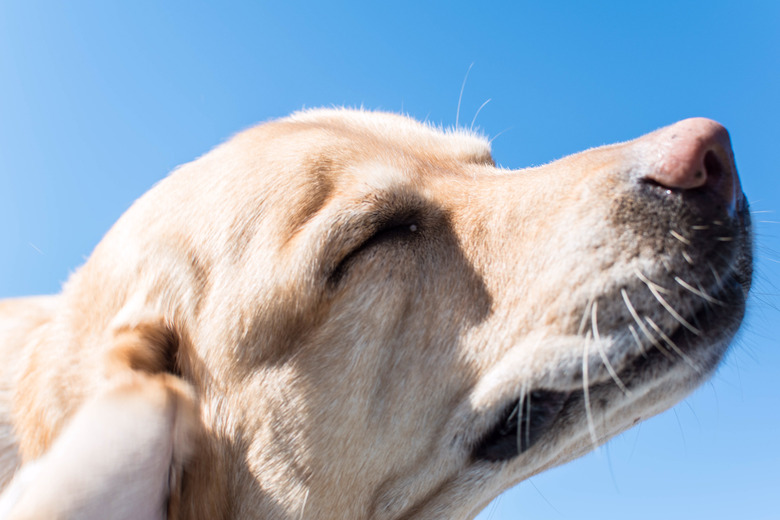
(694, 154)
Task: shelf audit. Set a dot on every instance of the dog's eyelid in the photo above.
(378, 227)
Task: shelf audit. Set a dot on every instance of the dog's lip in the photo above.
(549, 410)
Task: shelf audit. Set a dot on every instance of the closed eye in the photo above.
(394, 230)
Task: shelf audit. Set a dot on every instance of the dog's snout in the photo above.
(695, 154)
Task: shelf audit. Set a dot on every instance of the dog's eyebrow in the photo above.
(318, 191)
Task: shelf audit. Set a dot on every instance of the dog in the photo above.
(351, 314)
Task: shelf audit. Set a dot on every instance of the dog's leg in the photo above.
(121, 456)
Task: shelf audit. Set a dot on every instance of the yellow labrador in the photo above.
(347, 314)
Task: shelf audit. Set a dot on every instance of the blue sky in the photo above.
(98, 101)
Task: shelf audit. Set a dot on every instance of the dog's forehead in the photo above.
(380, 133)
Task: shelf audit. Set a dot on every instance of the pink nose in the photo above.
(694, 154)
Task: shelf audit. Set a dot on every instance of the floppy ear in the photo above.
(122, 454)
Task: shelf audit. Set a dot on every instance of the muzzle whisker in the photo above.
(715, 274)
(643, 328)
(528, 418)
(586, 394)
(637, 341)
(594, 323)
(698, 292)
(585, 315)
(662, 349)
(679, 237)
(676, 315)
(519, 413)
(673, 345)
(648, 282)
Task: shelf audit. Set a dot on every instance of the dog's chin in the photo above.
(675, 365)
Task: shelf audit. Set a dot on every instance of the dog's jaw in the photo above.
(358, 299)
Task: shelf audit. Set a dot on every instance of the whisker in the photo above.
(586, 394)
(514, 412)
(530, 481)
(499, 134)
(687, 258)
(303, 506)
(679, 237)
(724, 239)
(528, 418)
(715, 274)
(697, 292)
(584, 319)
(643, 328)
(460, 97)
(471, 127)
(518, 409)
(647, 281)
(676, 315)
(637, 341)
(673, 345)
(595, 328)
(700, 228)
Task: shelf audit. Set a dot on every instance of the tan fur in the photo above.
(349, 394)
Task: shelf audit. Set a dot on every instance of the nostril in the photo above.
(694, 157)
(714, 168)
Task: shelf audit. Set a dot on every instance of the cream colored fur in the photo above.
(226, 353)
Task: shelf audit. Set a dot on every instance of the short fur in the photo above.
(326, 315)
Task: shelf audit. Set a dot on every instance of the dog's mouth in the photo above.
(544, 413)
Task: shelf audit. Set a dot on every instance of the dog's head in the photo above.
(380, 323)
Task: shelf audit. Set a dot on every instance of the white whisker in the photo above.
(642, 326)
(676, 315)
(637, 340)
(673, 345)
(648, 282)
(499, 134)
(528, 419)
(471, 127)
(715, 274)
(303, 506)
(724, 239)
(687, 258)
(460, 97)
(520, 414)
(586, 395)
(700, 228)
(584, 320)
(595, 328)
(697, 292)
(679, 237)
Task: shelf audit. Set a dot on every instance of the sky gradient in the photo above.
(98, 101)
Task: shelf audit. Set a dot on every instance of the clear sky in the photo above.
(98, 101)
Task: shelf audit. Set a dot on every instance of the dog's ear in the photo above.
(150, 345)
(123, 453)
